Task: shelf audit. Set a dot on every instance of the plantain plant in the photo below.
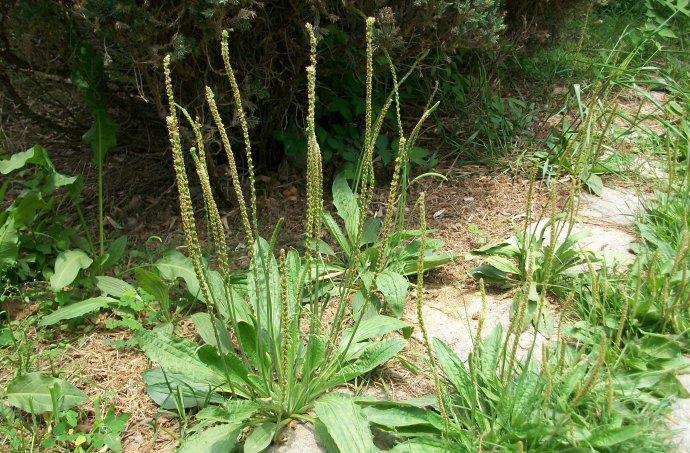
(273, 351)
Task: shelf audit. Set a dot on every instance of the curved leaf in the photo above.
(114, 286)
(77, 309)
(260, 438)
(67, 267)
(393, 287)
(217, 439)
(345, 423)
(31, 393)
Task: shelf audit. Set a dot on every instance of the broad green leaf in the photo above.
(228, 365)
(263, 286)
(217, 439)
(230, 304)
(213, 332)
(31, 393)
(178, 356)
(165, 388)
(67, 267)
(373, 355)
(503, 249)
(489, 273)
(337, 233)
(393, 287)
(102, 135)
(9, 245)
(346, 203)
(76, 309)
(593, 183)
(426, 445)
(314, 354)
(153, 284)
(607, 437)
(376, 326)
(116, 251)
(35, 155)
(230, 411)
(260, 438)
(174, 265)
(392, 417)
(345, 423)
(371, 231)
(503, 264)
(490, 349)
(115, 287)
(453, 368)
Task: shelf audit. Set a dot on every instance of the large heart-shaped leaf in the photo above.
(31, 393)
(67, 267)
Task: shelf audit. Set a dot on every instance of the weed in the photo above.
(268, 358)
(547, 254)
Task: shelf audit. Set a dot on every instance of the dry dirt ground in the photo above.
(493, 202)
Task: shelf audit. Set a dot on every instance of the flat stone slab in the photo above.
(617, 206)
(453, 317)
(299, 438)
(612, 244)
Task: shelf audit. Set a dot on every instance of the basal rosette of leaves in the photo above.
(274, 349)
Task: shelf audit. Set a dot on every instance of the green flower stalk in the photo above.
(420, 314)
(387, 225)
(232, 166)
(239, 111)
(593, 373)
(186, 209)
(624, 316)
(314, 163)
(284, 326)
(369, 78)
(215, 223)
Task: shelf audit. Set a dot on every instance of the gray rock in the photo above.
(616, 206)
(298, 438)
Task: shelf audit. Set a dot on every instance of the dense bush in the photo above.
(41, 40)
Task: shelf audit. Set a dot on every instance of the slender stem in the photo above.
(101, 229)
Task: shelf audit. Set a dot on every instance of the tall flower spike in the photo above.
(387, 225)
(239, 111)
(369, 82)
(284, 325)
(215, 223)
(420, 315)
(186, 209)
(233, 167)
(314, 171)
